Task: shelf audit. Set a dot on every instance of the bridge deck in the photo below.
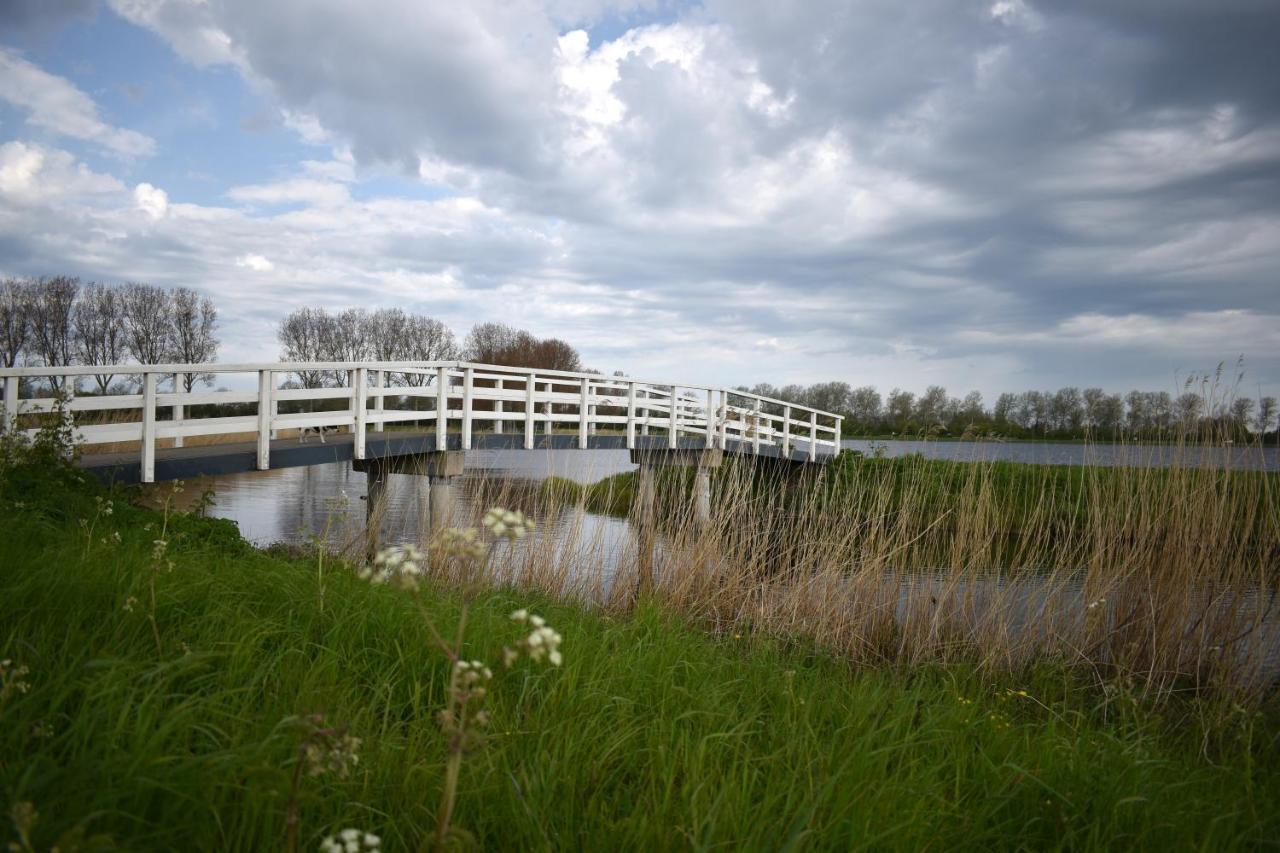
(187, 463)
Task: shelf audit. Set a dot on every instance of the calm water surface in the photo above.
(297, 504)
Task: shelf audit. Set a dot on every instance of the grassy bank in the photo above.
(653, 734)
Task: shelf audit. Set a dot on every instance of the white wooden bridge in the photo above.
(430, 407)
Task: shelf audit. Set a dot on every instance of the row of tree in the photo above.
(1066, 413)
(57, 321)
(390, 334)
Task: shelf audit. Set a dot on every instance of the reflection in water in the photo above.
(326, 502)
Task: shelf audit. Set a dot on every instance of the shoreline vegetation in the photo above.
(800, 674)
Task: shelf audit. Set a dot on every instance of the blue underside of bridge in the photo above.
(189, 463)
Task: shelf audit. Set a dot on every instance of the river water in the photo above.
(295, 505)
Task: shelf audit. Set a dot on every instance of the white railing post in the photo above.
(266, 419)
(148, 427)
(498, 408)
(674, 425)
(179, 411)
(584, 414)
(360, 402)
(755, 428)
(813, 434)
(380, 404)
(548, 411)
(10, 404)
(631, 415)
(442, 408)
(786, 432)
(839, 436)
(724, 419)
(648, 413)
(530, 392)
(711, 418)
(468, 378)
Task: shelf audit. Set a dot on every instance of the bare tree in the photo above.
(52, 329)
(427, 339)
(148, 323)
(301, 337)
(99, 331)
(486, 342)
(15, 325)
(195, 319)
(387, 331)
(1266, 415)
(1241, 412)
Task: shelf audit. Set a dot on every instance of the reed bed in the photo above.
(1162, 578)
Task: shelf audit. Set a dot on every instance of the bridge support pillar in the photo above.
(441, 502)
(440, 468)
(644, 518)
(649, 460)
(375, 508)
(702, 496)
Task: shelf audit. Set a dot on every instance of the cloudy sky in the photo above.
(992, 195)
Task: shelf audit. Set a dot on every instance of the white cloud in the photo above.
(30, 172)
(55, 104)
(320, 193)
(257, 263)
(152, 201)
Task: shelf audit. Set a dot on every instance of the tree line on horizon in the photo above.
(60, 321)
(1068, 413)
(391, 334)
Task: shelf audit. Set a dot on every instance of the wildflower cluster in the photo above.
(463, 543)
(331, 751)
(12, 679)
(505, 522)
(400, 566)
(468, 691)
(541, 642)
(350, 841)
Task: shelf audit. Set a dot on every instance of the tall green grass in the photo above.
(653, 735)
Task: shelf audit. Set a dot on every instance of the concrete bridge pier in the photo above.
(441, 503)
(649, 460)
(440, 468)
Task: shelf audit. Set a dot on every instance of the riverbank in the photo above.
(657, 731)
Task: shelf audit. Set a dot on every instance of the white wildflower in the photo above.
(351, 841)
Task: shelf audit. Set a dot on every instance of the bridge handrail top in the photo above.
(391, 366)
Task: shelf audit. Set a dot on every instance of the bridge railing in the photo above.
(453, 396)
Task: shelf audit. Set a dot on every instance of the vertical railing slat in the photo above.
(442, 408)
(468, 379)
(755, 428)
(584, 414)
(179, 411)
(360, 408)
(148, 427)
(499, 407)
(813, 435)
(10, 404)
(530, 393)
(266, 408)
(631, 415)
(711, 418)
(380, 404)
(673, 425)
(786, 432)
